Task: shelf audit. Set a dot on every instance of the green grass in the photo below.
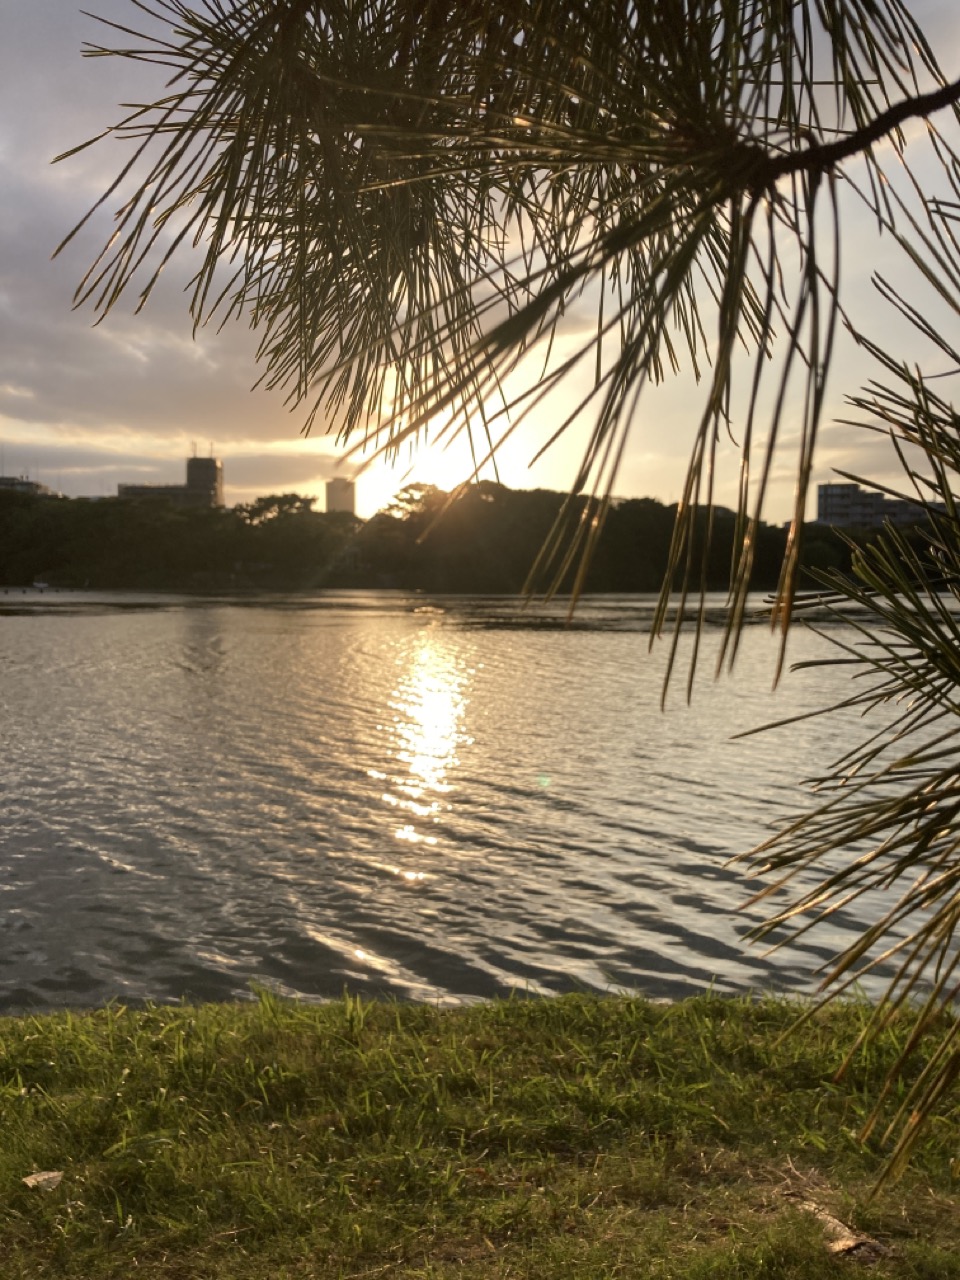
(574, 1137)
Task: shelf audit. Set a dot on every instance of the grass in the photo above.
(573, 1137)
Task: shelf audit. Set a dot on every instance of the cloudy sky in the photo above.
(83, 408)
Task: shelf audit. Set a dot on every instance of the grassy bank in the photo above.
(570, 1137)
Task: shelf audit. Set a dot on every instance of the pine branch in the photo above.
(822, 157)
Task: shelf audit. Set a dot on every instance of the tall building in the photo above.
(205, 481)
(341, 495)
(204, 487)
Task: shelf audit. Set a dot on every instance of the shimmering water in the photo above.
(433, 798)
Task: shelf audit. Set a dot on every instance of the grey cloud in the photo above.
(134, 381)
(142, 370)
(129, 377)
(268, 472)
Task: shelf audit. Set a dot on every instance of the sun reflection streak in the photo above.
(428, 705)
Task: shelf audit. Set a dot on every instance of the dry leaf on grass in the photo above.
(46, 1181)
(843, 1239)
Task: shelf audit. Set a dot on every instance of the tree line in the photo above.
(482, 539)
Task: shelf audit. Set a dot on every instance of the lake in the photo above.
(435, 799)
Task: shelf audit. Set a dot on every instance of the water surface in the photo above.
(439, 799)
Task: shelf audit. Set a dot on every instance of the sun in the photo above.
(440, 465)
(445, 462)
(424, 463)
(440, 459)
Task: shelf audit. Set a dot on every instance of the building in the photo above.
(204, 486)
(20, 484)
(849, 506)
(205, 481)
(341, 495)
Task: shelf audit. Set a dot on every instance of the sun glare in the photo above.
(445, 468)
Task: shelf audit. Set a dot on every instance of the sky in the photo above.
(83, 408)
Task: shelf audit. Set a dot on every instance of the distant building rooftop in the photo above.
(204, 486)
(20, 484)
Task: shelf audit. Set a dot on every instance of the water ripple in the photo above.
(439, 800)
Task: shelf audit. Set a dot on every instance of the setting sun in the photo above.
(444, 463)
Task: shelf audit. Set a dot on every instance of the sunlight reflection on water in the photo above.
(429, 702)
